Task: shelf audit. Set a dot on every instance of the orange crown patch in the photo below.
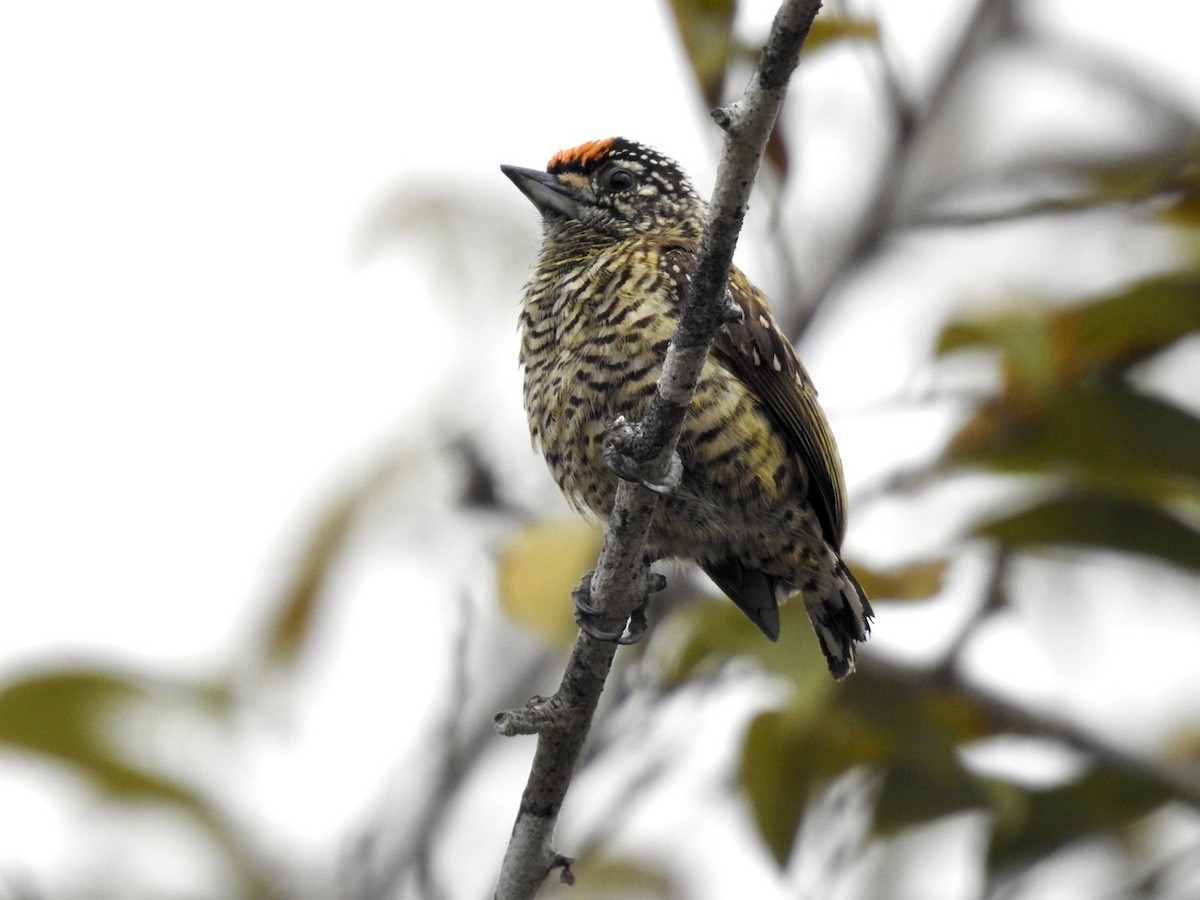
(581, 156)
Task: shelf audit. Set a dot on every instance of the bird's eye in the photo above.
(619, 180)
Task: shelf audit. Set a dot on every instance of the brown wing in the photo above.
(757, 352)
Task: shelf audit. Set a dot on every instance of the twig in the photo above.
(993, 600)
(1022, 212)
(386, 852)
(990, 20)
(452, 764)
(1170, 185)
(1009, 715)
(620, 581)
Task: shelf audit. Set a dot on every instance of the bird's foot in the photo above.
(619, 456)
(587, 615)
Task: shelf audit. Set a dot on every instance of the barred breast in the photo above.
(587, 361)
(593, 334)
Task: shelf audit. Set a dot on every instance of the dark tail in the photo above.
(841, 616)
(753, 591)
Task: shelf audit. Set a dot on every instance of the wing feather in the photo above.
(758, 353)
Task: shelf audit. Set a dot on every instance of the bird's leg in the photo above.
(620, 457)
(586, 612)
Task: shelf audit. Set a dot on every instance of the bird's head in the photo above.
(613, 187)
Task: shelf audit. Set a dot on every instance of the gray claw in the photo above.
(670, 480)
(637, 625)
(629, 468)
(586, 613)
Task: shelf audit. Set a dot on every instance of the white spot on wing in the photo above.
(776, 364)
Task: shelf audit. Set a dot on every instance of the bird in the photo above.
(760, 503)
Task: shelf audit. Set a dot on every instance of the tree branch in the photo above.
(1010, 715)
(619, 584)
(991, 20)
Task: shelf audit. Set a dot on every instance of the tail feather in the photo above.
(841, 616)
(836, 604)
(753, 591)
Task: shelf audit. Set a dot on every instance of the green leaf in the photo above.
(921, 730)
(776, 787)
(1042, 347)
(1171, 179)
(1091, 519)
(786, 755)
(1032, 824)
(1114, 331)
(78, 717)
(600, 876)
(828, 30)
(297, 608)
(1023, 339)
(538, 570)
(706, 29)
(911, 736)
(1107, 435)
(706, 634)
(69, 715)
(914, 581)
(917, 791)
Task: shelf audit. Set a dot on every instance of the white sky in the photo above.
(188, 350)
(191, 358)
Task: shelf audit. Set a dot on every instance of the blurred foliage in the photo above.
(1123, 465)
(599, 877)
(915, 581)
(72, 715)
(539, 567)
(706, 29)
(131, 736)
(85, 719)
(910, 727)
(1042, 348)
(292, 618)
(1110, 465)
(713, 48)
(1118, 468)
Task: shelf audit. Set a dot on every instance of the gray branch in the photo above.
(989, 22)
(620, 581)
